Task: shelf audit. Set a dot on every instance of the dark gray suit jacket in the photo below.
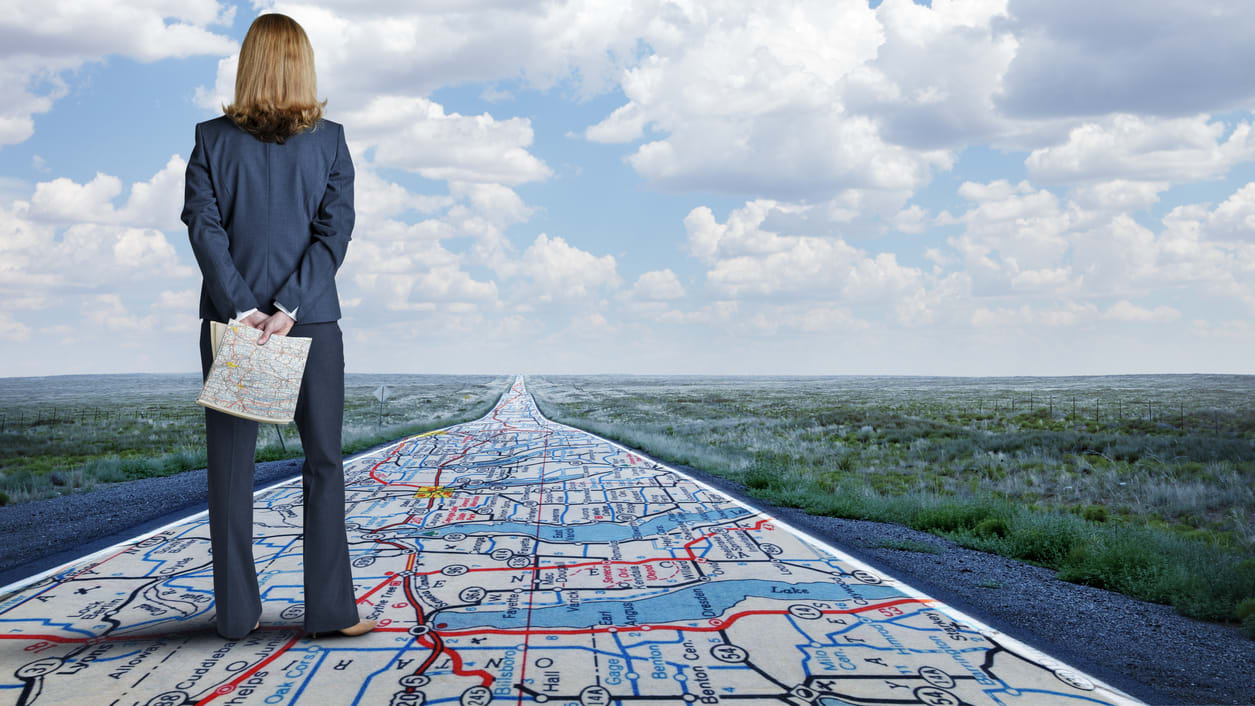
(269, 222)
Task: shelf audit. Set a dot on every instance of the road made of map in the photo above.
(516, 560)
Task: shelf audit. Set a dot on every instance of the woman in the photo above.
(268, 203)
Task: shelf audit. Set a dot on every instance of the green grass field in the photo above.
(68, 433)
(1142, 484)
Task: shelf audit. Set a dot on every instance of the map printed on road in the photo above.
(258, 382)
(515, 560)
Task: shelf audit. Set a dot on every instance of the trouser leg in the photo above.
(231, 444)
(330, 602)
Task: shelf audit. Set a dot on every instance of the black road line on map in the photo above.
(886, 677)
(31, 688)
(750, 663)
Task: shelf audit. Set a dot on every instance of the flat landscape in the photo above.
(1142, 484)
(66, 433)
(515, 560)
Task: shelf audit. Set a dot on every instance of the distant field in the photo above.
(64, 433)
(1143, 484)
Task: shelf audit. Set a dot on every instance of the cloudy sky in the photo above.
(974, 187)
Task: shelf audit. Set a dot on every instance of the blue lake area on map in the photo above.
(595, 532)
(709, 600)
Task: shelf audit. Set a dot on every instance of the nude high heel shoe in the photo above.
(362, 627)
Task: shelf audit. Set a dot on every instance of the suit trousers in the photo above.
(231, 442)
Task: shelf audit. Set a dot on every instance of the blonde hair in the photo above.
(275, 85)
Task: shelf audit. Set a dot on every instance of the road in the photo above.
(515, 560)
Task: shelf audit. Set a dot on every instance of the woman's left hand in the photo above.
(277, 323)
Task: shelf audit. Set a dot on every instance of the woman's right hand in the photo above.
(255, 319)
(277, 323)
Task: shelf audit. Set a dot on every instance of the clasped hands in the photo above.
(276, 323)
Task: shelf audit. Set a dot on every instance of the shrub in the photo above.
(993, 527)
(954, 516)
(1095, 513)
(758, 478)
(1245, 609)
(1045, 537)
(1245, 612)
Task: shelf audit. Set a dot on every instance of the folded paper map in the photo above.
(258, 382)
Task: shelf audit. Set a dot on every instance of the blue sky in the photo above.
(968, 187)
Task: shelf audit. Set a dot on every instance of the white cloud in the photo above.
(557, 270)
(911, 220)
(390, 48)
(752, 103)
(155, 203)
(417, 135)
(85, 255)
(68, 239)
(748, 261)
(656, 285)
(376, 199)
(1117, 195)
(43, 41)
(1234, 219)
(1127, 146)
(413, 274)
(932, 81)
(1011, 228)
(1022, 241)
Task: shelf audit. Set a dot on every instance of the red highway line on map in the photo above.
(385, 460)
(55, 638)
(384, 582)
(497, 411)
(438, 646)
(230, 686)
(439, 469)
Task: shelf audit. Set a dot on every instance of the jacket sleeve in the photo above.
(226, 286)
(332, 228)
